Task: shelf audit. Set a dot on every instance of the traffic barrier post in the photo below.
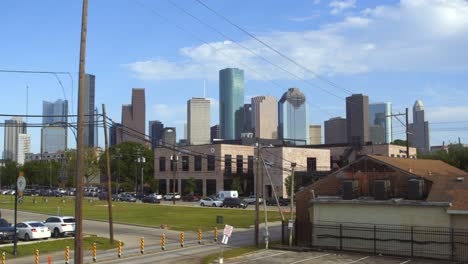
(36, 256)
(49, 259)
(216, 234)
(94, 251)
(163, 242)
(119, 249)
(67, 255)
(3, 258)
(199, 236)
(142, 245)
(181, 238)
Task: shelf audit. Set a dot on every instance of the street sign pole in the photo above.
(20, 186)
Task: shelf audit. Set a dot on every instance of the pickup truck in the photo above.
(7, 231)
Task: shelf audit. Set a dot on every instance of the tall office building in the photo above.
(335, 131)
(247, 119)
(54, 133)
(96, 128)
(315, 134)
(419, 129)
(198, 121)
(169, 136)
(24, 142)
(265, 117)
(115, 134)
(293, 117)
(357, 119)
(133, 118)
(231, 102)
(89, 120)
(380, 123)
(13, 128)
(155, 132)
(214, 133)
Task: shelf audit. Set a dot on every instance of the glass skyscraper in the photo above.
(55, 126)
(231, 102)
(293, 117)
(380, 123)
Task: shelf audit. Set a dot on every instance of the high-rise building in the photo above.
(214, 133)
(198, 121)
(265, 117)
(380, 123)
(419, 129)
(55, 112)
(89, 120)
(247, 119)
(24, 142)
(13, 128)
(231, 102)
(169, 136)
(335, 131)
(315, 134)
(293, 117)
(53, 139)
(133, 118)
(357, 119)
(155, 132)
(115, 134)
(96, 128)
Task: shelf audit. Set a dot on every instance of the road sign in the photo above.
(228, 230)
(21, 185)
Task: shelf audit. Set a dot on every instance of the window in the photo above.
(185, 163)
(173, 163)
(250, 164)
(239, 164)
(211, 163)
(162, 163)
(228, 164)
(198, 163)
(311, 165)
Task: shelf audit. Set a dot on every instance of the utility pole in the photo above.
(80, 141)
(406, 125)
(257, 206)
(291, 220)
(174, 159)
(109, 185)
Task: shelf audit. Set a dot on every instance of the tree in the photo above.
(42, 172)
(9, 173)
(287, 184)
(236, 185)
(190, 185)
(399, 142)
(456, 156)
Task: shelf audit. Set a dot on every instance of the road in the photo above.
(131, 234)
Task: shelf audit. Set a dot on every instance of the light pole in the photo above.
(117, 155)
(174, 159)
(141, 160)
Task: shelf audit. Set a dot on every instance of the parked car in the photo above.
(157, 196)
(61, 226)
(150, 199)
(7, 232)
(234, 202)
(281, 200)
(127, 198)
(211, 202)
(32, 230)
(191, 197)
(170, 196)
(251, 199)
(103, 196)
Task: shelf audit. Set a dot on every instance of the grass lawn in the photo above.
(186, 218)
(57, 245)
(230, 253)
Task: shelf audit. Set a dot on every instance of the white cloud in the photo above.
(339, 6)
(446, 113)
(412, 36)
(165, 112)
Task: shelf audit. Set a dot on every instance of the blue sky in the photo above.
(397, 51)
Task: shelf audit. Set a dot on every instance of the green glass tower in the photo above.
(231, 102)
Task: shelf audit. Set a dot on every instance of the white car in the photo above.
(210, 202)
(61, 225)
(32, 230)
(251, 199)
(170, 196)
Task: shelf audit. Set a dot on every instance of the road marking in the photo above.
(354, 261)
(316, 257)
(404, 262)
(274, 255)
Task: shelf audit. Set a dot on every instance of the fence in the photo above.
(409, 241)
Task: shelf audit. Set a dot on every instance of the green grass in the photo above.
(231, 253)
(58, 245)
(183, 218)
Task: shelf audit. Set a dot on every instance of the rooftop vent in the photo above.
(410, 170)
(460, 179)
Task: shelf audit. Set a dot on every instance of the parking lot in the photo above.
(281, 256)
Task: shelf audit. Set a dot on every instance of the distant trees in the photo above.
(456, 156)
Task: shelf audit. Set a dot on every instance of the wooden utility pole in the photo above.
(109, 185)
(80, 141)
(291, 219)
(257, 206)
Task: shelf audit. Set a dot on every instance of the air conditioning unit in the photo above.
(382, 189)
(350, 189)
(415, 189)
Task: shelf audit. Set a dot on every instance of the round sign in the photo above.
(212, 150)
(21, 183)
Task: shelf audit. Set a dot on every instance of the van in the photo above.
(227, 194)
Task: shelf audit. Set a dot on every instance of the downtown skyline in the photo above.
(162, 68)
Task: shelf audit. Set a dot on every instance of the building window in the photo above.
(227, 164)
(311, 165)
(185, 163)
(211, 163)
(250, 164)
(198, 163)
(173, 162)
(162, 164)
(239, 164)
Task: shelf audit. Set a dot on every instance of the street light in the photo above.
(141, 160)
(174, 159)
